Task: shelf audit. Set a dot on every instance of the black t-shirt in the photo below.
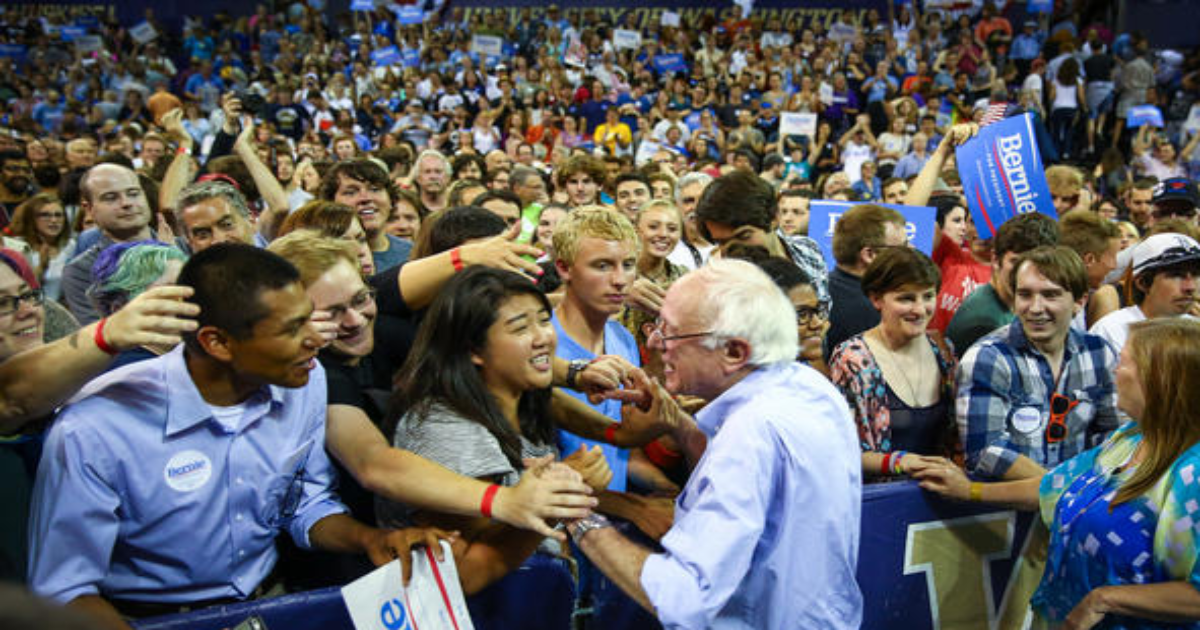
(1099, 67)
(850, 311)
(289, 120)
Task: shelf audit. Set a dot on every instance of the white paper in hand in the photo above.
(433, 599)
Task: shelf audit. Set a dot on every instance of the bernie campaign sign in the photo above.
(823, 215)
(1002, 174)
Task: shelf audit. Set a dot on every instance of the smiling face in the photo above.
(405, 222)
(282, 347)
(371, 201)
(356, 235)
(660, 231)
(342, 291)
(214, 221)
(20, 330)
(520, 346)
(116, 201)
(1044, 308)
(905, 312)
(631, 195)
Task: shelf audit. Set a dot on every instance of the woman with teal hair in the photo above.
(126, 270)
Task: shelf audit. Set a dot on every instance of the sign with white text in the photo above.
(1002, 174)
(823, 215)
(433, 598)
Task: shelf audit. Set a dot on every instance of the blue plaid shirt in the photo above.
(1003, 400)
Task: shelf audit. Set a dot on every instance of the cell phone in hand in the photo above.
(252, 623)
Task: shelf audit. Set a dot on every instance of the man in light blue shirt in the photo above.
(165, 482)
(766, 531)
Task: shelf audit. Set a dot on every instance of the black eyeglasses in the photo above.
(1056, 428)
(10, 303)
(806, 315)
(657, 333)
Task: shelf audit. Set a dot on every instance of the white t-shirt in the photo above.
(1114, 327)
(853, 157)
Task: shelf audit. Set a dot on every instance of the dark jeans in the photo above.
(1062, 130)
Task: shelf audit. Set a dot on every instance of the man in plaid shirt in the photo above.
(1035, 393)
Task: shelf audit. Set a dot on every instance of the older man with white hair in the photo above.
(766, 530)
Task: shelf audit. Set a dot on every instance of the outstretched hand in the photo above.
(158, 317)
(386, 545)
(548, 491)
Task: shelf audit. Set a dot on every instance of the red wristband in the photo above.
(99, 339)
(884, 466)
(456, 259)
(610, 434)
(489, 495)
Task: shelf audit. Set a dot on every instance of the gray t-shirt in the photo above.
(461, 445)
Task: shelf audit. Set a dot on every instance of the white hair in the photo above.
(743, 302)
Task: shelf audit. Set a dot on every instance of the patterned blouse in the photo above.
(853, 368)
(633, 319)
(1152, 538)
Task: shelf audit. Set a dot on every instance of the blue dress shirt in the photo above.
(143, 495)
(766, 530)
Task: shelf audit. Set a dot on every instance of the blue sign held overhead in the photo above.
(1144, 115)
(670, 63)
(362, 5)
(409, 14)
(389, 56)
(1040, 6)
(411, 58)
(1002, 174)
(72, 33)
(823, 216)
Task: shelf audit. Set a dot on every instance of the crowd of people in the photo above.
(264, 275)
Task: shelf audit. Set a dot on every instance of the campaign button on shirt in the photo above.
(187, 471)
(1027, 419)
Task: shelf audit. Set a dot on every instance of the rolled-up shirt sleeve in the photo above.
(319, 480)
(73, 524)
(982, 406)
(709, 549)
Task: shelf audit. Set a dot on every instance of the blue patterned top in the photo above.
(1152, 538)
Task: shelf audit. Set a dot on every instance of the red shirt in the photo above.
(961, 274)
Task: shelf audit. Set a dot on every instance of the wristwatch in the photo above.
(573, 369)
(580, 528)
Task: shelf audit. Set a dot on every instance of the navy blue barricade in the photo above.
(538, 596)
(923, 563)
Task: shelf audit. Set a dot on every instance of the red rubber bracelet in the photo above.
(456, 259)
(99, 339)
(610, 434)
(885, 467)
(489, 495)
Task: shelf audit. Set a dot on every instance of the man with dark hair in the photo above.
(364, 185)
(183, 469)
(501, 203)
(1036, 392)
(1166, 271)
(740, 208)
(632, 192)
(581, 177)
(214, 212)
(990, 307)
(114, 197)
(1137, 201)
(16, 183)
(858, 236)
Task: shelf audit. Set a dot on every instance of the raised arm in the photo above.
(268, 186)
(922, 187)
(36, 381)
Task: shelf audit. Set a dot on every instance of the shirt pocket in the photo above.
(285, 488)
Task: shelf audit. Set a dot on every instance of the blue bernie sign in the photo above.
(824, 214)
(1002, 174)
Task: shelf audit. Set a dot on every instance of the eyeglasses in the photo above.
(359, 302)
(1056, 428)
(657, 333)
(806, 315)
(10, 303)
